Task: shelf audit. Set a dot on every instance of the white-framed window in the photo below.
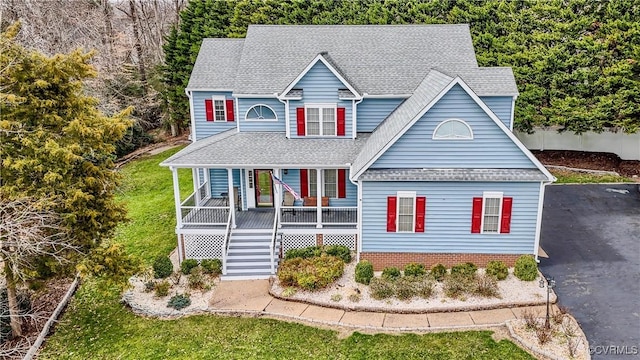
(219, 108)
(329, 182)
(321, 119)
(406, 218)
(453, 129)
(261, 112)
(491, 211)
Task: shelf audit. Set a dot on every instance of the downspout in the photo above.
(354, 117)
(536, 246)
(513, 110)
(237, 106)
(287, 121)
(193, 136)
(359, 216)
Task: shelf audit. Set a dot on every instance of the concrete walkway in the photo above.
(252, 297)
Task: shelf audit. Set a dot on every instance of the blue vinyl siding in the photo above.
(245, 104)
(293, 179)
(320, 86)
(219, 183)
(371, 112)
(448, 218)
(206, 128)
(501, 106)
(490, 147)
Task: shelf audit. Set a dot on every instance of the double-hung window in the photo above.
(491, 213)
(406, 212)
(329, 182)
(219, 109)
(321, 120)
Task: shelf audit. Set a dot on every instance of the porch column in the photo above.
(207, 180)
(319, 198)
(176, 197)
(231, 197)
(279, 192)
(196, 185)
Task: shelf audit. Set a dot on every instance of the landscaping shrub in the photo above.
(212, 266)
(497, 269)
(414, 269)
(456, 284)
(312, 273)
(149, 286)
(424, 286)
(380, 288)
(179, 301)
(406, 288)
(162, 288)
(339, 251)
(465, 269)
(162, 267)
(526, 268)
(438, 272)
(196, 280)
(188, 265)
(487, 286)
(364, 272)
(304, 253)
(391, 273)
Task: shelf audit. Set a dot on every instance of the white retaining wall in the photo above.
(627, 146)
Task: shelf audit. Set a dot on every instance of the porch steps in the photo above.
(249, 256)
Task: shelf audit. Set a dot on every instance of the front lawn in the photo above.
(575, 177)
(97, 326)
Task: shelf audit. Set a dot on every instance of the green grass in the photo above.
(573, 177)
(97, 326)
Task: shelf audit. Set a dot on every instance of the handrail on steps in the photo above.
(272, 246)
(225, 246)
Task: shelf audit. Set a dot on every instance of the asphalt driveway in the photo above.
(592, 236)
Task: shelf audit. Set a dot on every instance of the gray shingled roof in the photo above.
(453, 175)
(269, 149)
(432, 84)
(375, 59)
(216, 65)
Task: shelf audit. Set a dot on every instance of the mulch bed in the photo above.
(589, 160)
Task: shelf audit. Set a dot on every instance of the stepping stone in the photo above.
(320, 313)
(363, 318)
(449, 319)
(289, 308)
(397, 321)
(495, 316)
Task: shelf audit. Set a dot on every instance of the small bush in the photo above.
(149, 286)
(289, 291)
(526, 268)
(424, 286)
(406, 288)
(465, 269)
(339, 251)
(162, 267)
(455, 285)
(544, 334)
(391, 273)
(497, 269)
(212, 266)
(414, 269)
(487, 286)
(438, 272)
(179, 301)
(304, 253)
(312, 273)
(381, 288)
(162, 288)
(355, 297)
(364, 272)
(196, 278)
(188, 265)
(336, 297)
(530, 319)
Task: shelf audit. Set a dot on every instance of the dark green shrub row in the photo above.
(497, 269)
(312, 273)
(364, 272)
(391, 273)
(414, 269)
(438, 272)
(339, 251)
(526, 268)
(188, 265)
(464, 269)
(211, 266)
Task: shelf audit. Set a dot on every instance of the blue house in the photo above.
(398, 144)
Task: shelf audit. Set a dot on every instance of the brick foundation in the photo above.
(319, 239)
(382, 260)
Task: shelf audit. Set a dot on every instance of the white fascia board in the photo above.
(208, 89)
(269, 96)
(386, 96)
(504, 128)
(257, 166)
(405, 129)
(319, 57)
(192, 116)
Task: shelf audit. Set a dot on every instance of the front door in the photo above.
(264, 188)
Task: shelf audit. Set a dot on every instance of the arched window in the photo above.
(261, 113)
(452, 129)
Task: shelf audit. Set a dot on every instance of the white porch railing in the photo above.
(193, 210)
(308, 215)
(225, 246)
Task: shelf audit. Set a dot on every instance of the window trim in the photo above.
(260, 120)
(491, 195)
(320, 107)
(406, 194)
(322, 182)
(435, 131)
(222, 98)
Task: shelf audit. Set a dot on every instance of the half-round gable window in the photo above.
(452, 129)
(261, 113)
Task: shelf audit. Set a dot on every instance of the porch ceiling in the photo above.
(267, 149)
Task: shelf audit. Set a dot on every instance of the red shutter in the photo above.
(300, 120)
(208, 108)
(304, 183)
(421, 207)
(342, 183)
(505, 222)
(341, 122)
(230, 111)
(476, 216)
(391, 214)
